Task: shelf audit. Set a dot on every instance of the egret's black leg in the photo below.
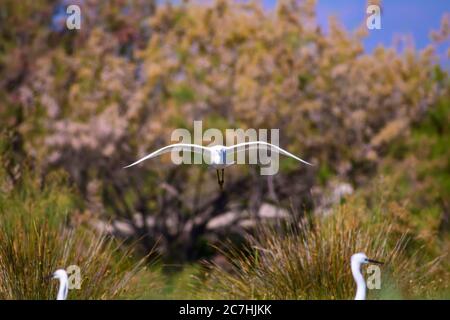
(220, 179)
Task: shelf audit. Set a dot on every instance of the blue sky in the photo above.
(411, 18)
(415, 18)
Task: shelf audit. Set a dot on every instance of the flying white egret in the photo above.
(61, 275)
(356, 261)
(218, 154)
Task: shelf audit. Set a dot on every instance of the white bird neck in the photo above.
(360, 282)
(63, 288)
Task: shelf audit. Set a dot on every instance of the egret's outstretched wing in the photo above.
(262, 144)
(188, 147)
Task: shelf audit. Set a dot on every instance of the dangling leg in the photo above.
(220, 179)
(223, 179)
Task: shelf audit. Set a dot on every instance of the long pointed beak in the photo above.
(375, 261)
(48, 277)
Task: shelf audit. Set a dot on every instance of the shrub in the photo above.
(92, 101)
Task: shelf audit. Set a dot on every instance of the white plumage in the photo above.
(218, 154)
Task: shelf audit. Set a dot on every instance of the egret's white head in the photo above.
(219, 156)
(361, 258)
(218, 149)
(63, 290)
(59, 274)
(356, 261)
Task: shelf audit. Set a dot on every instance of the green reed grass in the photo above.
(36, 238)
(311, 260)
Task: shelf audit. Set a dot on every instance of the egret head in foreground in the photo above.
(218, 154)
(357, 260)
(61, 275)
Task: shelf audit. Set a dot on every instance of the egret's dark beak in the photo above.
(375, 261)
(48, 277)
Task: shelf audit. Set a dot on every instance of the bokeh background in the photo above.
(369, 107)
